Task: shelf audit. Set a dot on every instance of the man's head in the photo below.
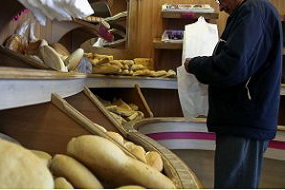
(229, 6)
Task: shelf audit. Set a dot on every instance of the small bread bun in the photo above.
(62, 183)
(61, 49)
(116, 136)
(154, 159)
(136, 150)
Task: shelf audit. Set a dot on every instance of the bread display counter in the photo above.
(177, 133)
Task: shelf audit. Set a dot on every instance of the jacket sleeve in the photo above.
(236, 60)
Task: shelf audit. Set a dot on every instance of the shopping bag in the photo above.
(200, 39)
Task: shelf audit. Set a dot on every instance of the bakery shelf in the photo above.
(158, 44)
(193, 15)
(23, 87)
(101, 81)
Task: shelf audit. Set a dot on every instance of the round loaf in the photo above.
(21, 169)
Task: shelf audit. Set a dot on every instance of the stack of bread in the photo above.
(91, 162)
(106, 65)
(54, 56)
(122, 111)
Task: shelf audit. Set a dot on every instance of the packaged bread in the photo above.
(21, 169)
(62, 183)
(75, 172)
(112, 166)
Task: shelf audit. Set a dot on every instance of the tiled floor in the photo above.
(201, 162)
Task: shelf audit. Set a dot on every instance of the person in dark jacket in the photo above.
(244, 78)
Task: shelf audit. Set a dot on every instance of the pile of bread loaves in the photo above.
(122, 111)
(106, 65)
(54, 56)
(91, 162)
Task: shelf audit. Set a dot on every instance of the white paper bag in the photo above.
(200, 39)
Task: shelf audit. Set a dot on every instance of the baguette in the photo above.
(113, 166)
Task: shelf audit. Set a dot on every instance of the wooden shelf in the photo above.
(190, 15)
(23, 87)
(100, 81)
(283, 51)
(158, 44)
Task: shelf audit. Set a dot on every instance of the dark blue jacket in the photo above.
(244, 73)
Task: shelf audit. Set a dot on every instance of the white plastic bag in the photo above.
(58, 9)
(200, 39)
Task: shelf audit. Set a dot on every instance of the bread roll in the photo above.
(75, 172)
(21, 169)
(154, 159)
(62, 183)
(113, 166)
(61, 49)
(137, 150)
(52, 58)
(74, 59)
(131, 187)
(16, 43)
(116, 136)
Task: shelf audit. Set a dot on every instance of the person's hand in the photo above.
(186, 64)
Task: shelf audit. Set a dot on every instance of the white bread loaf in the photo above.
(75, 172)
(113, 166)
(21, 169)
(73, 60)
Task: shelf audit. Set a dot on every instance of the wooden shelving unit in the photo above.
(158, 44)
(192, 15)
(100, 81)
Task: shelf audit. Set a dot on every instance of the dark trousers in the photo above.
(238, 162)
